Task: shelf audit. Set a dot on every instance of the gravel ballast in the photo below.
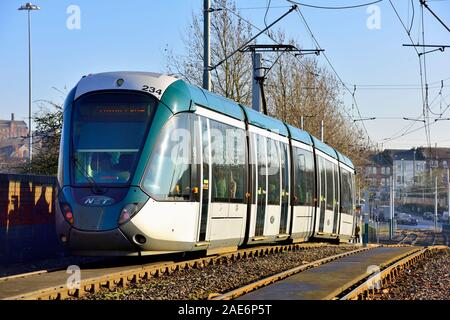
(429, 279)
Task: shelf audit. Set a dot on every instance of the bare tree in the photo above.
(46, 140)
(298, 87)
(295, 87)
(232, 79)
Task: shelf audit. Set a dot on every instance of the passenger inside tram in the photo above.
(233, 185)
(273, 194)
(124, 166)
(101, 165)
(220, 184)
(226, 184)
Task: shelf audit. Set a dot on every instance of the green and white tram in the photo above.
(150, 164)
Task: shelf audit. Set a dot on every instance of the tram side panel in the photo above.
(169, 220)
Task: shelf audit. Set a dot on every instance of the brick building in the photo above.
(13, 128)
(13, 143)
(413, 171)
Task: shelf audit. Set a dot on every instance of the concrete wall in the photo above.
(27, 228)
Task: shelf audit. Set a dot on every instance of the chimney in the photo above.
(12, 116)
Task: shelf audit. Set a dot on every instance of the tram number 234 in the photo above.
(151, 89)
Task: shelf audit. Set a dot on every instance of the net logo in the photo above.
(96, 201)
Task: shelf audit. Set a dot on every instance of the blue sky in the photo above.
(133, 35)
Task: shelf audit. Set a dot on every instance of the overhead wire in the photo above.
(425, 79)
(296, 57)
(412, 18)
(334, 8)
(417, 129)
(424, 102)
(267, 11)
(333, 68)
(266, 33)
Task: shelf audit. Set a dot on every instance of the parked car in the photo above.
(428, 216)
(406, 219)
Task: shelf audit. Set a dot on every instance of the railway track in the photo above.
(419, 237)
(53, 285)
(280, 276)
(372, 284)
(410, 238)
(322, 284)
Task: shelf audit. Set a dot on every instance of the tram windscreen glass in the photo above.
(108, 131)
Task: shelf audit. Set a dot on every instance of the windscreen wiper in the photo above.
(88, 177)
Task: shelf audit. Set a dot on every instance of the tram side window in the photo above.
(273, 171)
(284, 171)
(336, 188)
(228, 162)
(304, 177)
(168, 175)
(261, 162)
(322, 178)
(236, 150)
(346, 196)
(352, 192)
(330, 186)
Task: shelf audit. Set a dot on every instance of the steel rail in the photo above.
(282, 275)
(137, 274)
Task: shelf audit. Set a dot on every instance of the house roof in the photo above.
(7, 123)
(436, 153)
(413, 154)
(381, 158)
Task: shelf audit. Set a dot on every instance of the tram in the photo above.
(150, 164)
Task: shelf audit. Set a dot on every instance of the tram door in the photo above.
(285, 189)
(321, 191)
(273, 187)
(204, 179)
(327, 201)
(272, 205)
(223, 183)
(336, 205)
(260, 183)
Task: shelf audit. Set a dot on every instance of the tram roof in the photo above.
(324, 147)
(182, 96)
(260, 120)
(299, 135)
(345, 160)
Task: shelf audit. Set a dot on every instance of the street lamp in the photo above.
(414, 167)
(28, 6)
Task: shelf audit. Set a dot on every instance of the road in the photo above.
(422, 224)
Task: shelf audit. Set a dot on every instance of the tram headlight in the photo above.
(129, 211)
(67, 212)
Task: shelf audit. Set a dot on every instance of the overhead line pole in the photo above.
(258, 94)
(435, 203)
(206, 46)
(448, 195)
